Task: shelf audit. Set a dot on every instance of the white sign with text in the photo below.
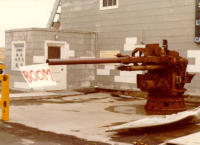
(38, 75)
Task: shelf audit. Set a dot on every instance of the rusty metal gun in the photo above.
(164, 78)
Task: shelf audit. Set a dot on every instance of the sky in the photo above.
(16, 14)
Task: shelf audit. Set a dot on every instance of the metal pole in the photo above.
(5, 97)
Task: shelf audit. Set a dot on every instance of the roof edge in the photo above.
(49, 30)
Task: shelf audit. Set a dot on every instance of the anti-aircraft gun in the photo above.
(164, 78)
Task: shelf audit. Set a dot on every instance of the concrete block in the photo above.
(103, 72)
(39, 59)
(109, 67)
(194, 54)
(100, 66)
(114, 72)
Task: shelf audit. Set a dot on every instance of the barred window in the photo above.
(18, 55)
(108, 4)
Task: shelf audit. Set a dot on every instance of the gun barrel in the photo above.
(123, 60)
(82, 61)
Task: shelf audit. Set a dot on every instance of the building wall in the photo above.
(2, 54)
(148, 21)
(80, 44)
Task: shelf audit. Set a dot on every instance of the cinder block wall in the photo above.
(81, 43)
(11, 36)
(149, 21)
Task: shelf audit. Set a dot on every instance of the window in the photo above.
(18, 55)
(53, 52)
(108, 4)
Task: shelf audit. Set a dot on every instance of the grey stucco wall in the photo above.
(148, 20)
(82, 43)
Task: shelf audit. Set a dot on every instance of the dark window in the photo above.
(53, 52)
(107, 3)
(104, 3)
(110, 3)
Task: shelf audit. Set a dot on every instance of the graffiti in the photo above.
(38, 75)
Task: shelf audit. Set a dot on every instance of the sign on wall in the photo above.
(38, 75)
(18, 55)
(197, 22)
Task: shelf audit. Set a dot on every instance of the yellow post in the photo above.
(5, 96)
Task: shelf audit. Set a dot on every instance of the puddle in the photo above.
(127, 109)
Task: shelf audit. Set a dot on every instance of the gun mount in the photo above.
(164, 77)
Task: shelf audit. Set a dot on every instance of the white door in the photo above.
(59, 71)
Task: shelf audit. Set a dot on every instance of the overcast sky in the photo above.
(23, 14)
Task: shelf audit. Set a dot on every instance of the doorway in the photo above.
(55, 50)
